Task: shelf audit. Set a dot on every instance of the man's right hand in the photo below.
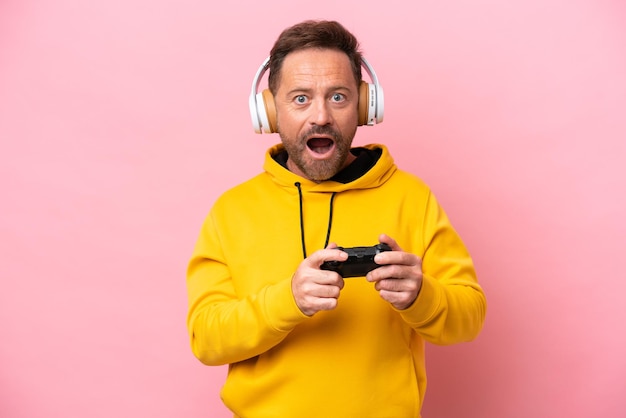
(314, 289)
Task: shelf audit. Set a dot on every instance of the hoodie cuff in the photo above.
(426, 304)
(281, 310)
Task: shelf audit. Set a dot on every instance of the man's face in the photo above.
(316, 111)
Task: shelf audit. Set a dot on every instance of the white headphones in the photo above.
(263, 108)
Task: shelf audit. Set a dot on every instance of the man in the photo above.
(301, 340)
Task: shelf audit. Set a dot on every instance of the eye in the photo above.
(338, 97)
(301, 99)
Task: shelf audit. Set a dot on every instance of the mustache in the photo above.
(325, 130)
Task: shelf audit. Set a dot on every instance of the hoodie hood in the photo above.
(374, 177)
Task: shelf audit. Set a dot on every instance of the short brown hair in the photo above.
(313, 34)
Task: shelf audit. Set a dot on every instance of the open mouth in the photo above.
(320, 145)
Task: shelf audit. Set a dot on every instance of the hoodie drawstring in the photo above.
(330, 219)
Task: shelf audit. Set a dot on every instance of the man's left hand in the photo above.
(399, 279)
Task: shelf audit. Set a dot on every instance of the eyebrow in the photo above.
(308, 90)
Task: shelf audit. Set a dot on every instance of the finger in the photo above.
(386, 239)
(389, 285)
(326, 292)
(328, 254)
(399, 258)
(395, 270)
(395, 285)
(400, 300)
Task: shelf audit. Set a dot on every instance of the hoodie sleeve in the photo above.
(224, 328)
(451, 305)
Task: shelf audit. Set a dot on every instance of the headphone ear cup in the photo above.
(369, 106)
(270, 111)
(265, 112)
(364, 98)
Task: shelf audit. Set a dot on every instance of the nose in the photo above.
(321, 113)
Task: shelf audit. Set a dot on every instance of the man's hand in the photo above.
(314, 289)
(399, 279)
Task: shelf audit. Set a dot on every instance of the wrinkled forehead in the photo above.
(317, 66)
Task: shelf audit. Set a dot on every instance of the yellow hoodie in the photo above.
(362, 359)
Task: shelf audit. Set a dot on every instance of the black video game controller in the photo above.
(360, 261)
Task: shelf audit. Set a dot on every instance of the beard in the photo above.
(318, 170)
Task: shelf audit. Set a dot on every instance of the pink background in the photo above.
(122, 121)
